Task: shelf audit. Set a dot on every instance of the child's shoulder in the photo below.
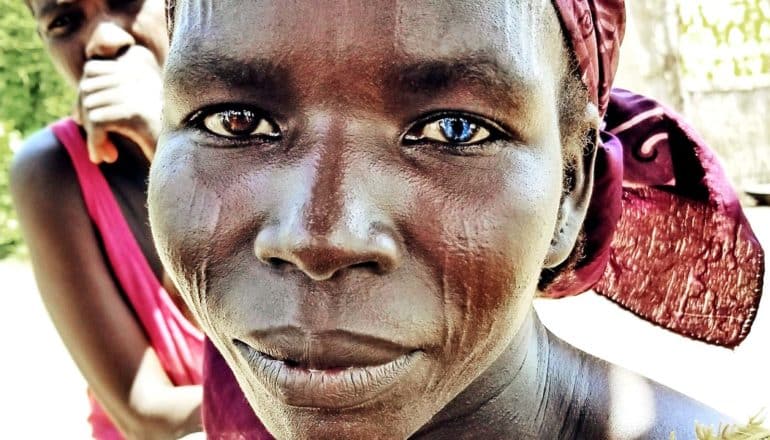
(40, 155)
(42, 170)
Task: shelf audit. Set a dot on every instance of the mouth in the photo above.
(329, 370)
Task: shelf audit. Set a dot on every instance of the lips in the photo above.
(331, 369)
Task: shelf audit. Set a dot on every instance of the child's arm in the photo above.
(84, 302)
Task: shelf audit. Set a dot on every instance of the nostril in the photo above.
(122, 51)
(276, 262)
(368, 265)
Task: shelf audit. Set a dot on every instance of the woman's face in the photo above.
(357, 198)
(75, 31)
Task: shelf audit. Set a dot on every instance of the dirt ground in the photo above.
(42, 394)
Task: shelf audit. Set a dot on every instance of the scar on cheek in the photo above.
(203, 211)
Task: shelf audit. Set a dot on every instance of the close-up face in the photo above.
(357, 199)
(75, 31)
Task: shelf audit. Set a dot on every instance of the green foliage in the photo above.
(32, 94)
(725, 45)
(10, 237)
(753, 430)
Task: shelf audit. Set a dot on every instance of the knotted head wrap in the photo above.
(665, 236)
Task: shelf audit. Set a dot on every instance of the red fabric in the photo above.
(178, 344)
(665, 235)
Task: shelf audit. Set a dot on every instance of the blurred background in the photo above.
(708, 59)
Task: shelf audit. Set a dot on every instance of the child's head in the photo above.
(367, 188)
(75, 31)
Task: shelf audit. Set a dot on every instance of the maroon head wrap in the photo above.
(665, 235)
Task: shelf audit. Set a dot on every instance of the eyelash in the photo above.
(74, 19)
(198, 120)
(493, 131)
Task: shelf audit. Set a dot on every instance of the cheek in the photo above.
(489, 233)
(184, 216)
(68, 59)
(206, 205)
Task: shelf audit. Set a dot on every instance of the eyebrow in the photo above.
(427, 77)
(200, 69)
(52, 7)
(203, 68)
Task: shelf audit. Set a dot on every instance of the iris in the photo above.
(457, 130)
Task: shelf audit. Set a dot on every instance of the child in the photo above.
(86, 225)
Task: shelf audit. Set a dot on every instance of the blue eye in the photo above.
(457, 130)
(452, 130)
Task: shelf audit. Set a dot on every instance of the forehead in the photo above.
(39, 7)
(522, 34)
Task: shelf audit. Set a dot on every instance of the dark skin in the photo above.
(377, 187)
(99, 46)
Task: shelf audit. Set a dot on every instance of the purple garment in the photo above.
(665, 234)
(226, 412)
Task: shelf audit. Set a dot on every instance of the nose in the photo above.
(321, 257)
(327, 221)
(109, 40)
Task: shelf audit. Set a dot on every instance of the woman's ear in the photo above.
(579, 182)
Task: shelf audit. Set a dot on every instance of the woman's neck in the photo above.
(536, 389)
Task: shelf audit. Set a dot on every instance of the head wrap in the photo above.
(665, 234)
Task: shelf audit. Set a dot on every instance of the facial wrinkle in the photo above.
(201, 289)
(447, 333)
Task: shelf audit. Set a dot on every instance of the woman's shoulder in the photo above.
(635, 406)
(605, 400)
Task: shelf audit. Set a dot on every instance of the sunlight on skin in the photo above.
(138, 395)
(152, 396)
(632, 405)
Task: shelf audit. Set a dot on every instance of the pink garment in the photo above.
(178, 344)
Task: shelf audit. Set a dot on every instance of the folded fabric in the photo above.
(665, 235)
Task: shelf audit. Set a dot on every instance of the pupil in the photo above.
(60, 22)
(239, 121)
(457, 130)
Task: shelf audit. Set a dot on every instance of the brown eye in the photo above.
(239, 123)
(64, 24)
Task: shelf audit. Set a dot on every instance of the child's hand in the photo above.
(121, 96)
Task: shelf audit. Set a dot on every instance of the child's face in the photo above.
(75, 31)
(357, 198)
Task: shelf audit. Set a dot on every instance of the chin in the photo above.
(396, 411)
(370, 421)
